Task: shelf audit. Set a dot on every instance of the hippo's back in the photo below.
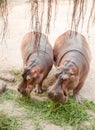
(71, 41)
(35, 42)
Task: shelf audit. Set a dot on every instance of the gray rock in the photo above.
(7, 77)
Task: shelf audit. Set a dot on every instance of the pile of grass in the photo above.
(71, 113)
(8, 123)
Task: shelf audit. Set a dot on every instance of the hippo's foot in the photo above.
(78, 98)
(38, 89)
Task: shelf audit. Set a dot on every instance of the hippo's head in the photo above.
(66, 79)
(31, 77)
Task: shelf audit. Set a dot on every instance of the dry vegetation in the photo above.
(37, 15)
(3, 18)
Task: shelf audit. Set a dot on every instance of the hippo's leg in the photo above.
(38, 88)
(76, 93)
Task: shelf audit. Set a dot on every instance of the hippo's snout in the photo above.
(22, 91)
(56, 96)
(22, 88)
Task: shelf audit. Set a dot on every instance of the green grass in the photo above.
(90, 105)
(15, 72)
(8, 95)
(37, 126)
(71, 113)
(85, 127)
(8, 122)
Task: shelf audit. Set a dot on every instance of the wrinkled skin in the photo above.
(72, 58)
(37, 62)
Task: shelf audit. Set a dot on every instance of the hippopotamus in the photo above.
(72, 58)
(37, 55)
